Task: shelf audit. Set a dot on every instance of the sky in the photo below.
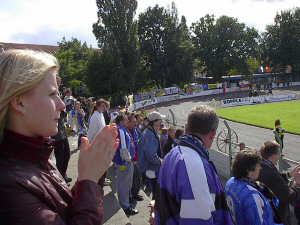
(46, 22)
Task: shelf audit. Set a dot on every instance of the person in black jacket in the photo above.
(278, 182)
(170, 141)
(61, 146)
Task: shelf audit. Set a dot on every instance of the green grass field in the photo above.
(264, 115)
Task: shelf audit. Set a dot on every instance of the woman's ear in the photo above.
(17, 104)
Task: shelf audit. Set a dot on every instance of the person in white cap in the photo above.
(149, 157)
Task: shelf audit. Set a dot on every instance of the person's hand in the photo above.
(95, 158)
(297, 177)
(294, 170)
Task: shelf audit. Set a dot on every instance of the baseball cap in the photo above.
(118, 107)
(155, 116)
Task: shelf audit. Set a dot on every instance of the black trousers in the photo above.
(136, 182)
(62, 154)
(297, 213)
(79, 139)
(153, 184)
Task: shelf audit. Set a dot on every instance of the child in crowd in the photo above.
(78, 115)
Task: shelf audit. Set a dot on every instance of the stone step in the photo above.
(112, 211)
(111, 205)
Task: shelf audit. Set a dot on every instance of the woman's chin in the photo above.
(53, 133)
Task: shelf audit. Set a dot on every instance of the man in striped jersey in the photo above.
(189, 190)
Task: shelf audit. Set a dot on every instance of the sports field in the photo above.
(264, 115)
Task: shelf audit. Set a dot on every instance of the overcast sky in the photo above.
(46, 22)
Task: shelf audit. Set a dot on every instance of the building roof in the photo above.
(46, 48)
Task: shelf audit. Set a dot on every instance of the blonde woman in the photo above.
(32, 191)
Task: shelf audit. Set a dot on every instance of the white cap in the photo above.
(155, 116)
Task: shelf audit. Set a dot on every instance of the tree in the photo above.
(103, 71)
(165, 46)
(73, 57)
(180, 56)
(281, 41)
(151, 27)
(224, 45)
(116, 32)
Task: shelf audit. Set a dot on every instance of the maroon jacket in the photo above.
(32, 191)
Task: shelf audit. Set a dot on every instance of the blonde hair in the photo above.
(21, 71)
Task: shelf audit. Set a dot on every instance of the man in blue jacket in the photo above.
(189, 190)
(123, 162)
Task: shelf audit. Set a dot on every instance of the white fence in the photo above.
(255, 100)
(225, 103)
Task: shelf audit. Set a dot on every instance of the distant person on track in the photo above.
(280, 132)
(270, 91)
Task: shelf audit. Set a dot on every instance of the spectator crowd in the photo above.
(175, 163)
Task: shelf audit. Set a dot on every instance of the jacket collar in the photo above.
(33, 150)
(195, 143)
(269, 164)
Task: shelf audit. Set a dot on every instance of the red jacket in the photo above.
(32, 191)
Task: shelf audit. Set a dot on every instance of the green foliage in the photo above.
(165, 46)
(72, 57)
(103, 75)
(74, 83)
(224, 45)
(281, 41)
(264, 115)
(116, 32)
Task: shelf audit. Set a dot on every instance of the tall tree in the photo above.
(165, 46)
(116, 32)
(151, 30)
(73, 57)
(180, 56)
(281, 41)
(223, 45)
(103, 74)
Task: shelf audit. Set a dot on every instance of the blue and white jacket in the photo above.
(125, 143)
(189, 190)
(247, 205)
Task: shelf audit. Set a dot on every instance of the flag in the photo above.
(267, 69)
(259, 68)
